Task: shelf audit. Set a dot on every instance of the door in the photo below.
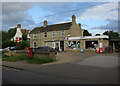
(62, 45)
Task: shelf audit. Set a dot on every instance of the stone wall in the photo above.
(20, 53)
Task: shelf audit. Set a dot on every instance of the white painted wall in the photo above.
(18, 34)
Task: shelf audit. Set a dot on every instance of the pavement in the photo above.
(101, 69)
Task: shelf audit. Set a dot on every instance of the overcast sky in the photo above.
(96, 17)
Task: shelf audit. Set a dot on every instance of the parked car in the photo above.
(6, 49)
(45, 49)
(14, 48)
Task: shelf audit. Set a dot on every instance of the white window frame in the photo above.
(45, 44)
(45, 33)
(62, 32)
(34, 35)
(53, 45)
(53, 33)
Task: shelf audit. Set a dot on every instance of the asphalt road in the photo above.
(15, 76)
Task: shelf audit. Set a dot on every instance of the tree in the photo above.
(8, 43)
(97, 34)
(24, 37)
(111, 34)
(11, 32)
(86, 33)
(23, 44)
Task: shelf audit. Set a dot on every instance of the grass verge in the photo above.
(40, 60)
(14, 58)
(33, 60)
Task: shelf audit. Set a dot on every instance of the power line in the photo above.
(68, 11)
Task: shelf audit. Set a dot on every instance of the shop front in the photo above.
(86, 42)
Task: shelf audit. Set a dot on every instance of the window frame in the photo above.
(45, 34)
(62, 32)
(34, 44)
(34, 35)
(53, 35)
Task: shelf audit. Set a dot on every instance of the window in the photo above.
(34, 35)
(34, 45)
(53, 45)
(53, 34)
(62, 33)
(45, 44)
(73, 44)
(91, 44)
(45, 34)
(16, 38)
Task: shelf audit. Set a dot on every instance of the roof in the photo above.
(54, 27)
(25, 31)
(87, 37)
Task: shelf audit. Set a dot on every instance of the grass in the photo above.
(40, 60)
(14, 58)
(33, 60)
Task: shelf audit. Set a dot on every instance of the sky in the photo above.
(96, 17)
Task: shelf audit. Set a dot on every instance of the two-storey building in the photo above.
(65, 36)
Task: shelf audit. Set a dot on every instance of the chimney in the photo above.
(45, 23)
(73, 19)
(79, 25)
(18, 25)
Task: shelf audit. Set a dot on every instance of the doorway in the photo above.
(62, 45)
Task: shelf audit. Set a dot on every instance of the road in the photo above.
(15, 76)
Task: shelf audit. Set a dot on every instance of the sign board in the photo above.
(100, 44)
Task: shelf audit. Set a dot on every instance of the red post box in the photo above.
(30, 52)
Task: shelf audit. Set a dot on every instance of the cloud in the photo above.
(112, 25)
(101, 12)
(13, 13)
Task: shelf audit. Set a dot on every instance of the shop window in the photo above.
(73, 44)
(91, 44)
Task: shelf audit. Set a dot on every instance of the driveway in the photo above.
(85, 58)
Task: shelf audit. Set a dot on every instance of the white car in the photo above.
(6, 49)
(1, 49)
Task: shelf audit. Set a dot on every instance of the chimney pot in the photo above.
(45, 23)
(79, 25)
(73, 19)
(18, 25)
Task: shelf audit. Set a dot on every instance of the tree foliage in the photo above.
(86, 33)
(111, 34)
(24, 37)
(23, 44)
(97, 34)
(6, 39)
